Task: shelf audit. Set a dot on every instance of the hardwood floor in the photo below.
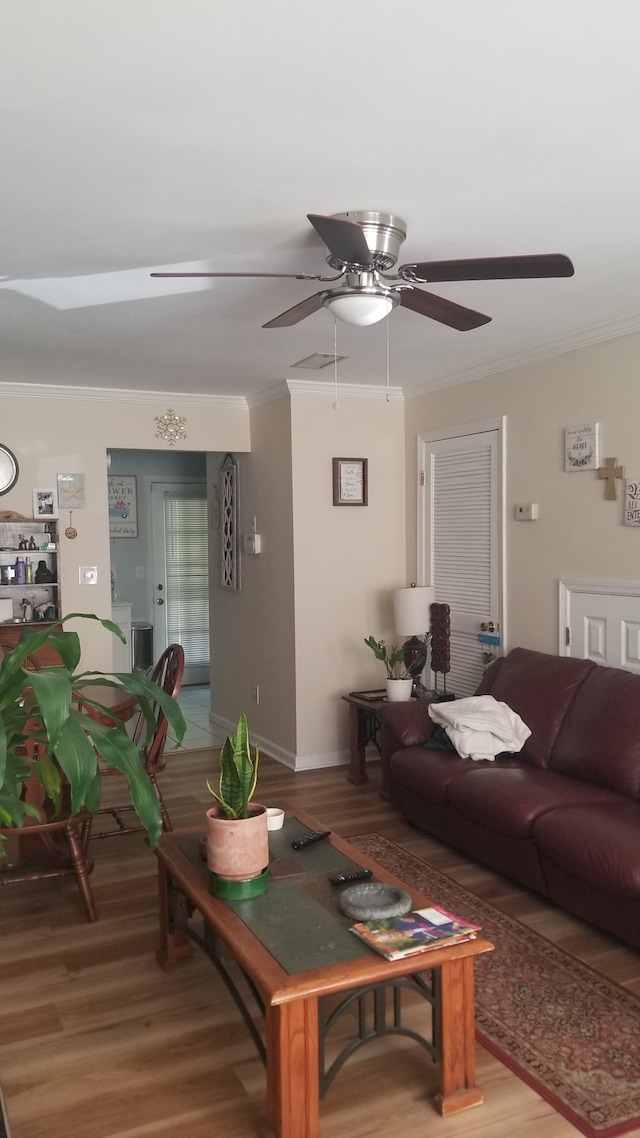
(96, 1041)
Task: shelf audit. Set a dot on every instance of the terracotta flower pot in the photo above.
(238, 852)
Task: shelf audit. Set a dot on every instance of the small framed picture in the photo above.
(350, 481)
(581, 447)
(44, 504)
(71, 492)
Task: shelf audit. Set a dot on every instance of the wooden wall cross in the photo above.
(610, 471)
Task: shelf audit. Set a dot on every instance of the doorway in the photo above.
(461, 545)
(132, 554)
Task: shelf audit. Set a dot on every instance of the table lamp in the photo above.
(412, 618)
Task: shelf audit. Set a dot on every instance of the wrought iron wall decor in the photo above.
(230, 567)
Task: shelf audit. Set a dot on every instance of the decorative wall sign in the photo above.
(632, 503)
(350, 481)
(44, 504)
(170, 427)
(611, 471)
(581, 447)
(71, 492)
(123, 514)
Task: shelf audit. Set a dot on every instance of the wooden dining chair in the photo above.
(54, 846)
(167, 673)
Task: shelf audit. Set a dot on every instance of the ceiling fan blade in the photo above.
(344, 239)
(297, 313)
(293, 276)
(445, 311)
(490, 268)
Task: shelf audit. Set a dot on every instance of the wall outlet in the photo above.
(526, 512)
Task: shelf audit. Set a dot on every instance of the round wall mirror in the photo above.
(8, 469)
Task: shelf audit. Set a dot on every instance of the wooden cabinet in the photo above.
(29, 582)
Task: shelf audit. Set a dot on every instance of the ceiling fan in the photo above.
(363, 246)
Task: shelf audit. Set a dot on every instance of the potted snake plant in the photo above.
(237, 837)
(41, 708)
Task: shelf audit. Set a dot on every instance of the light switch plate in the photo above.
(88, 575)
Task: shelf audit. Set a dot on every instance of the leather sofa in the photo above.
(562, 816)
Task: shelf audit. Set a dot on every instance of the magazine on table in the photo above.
(419, 931)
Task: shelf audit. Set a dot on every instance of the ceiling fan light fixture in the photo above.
(358, 307)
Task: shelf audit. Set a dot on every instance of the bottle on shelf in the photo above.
(28, 571)
(20, 571)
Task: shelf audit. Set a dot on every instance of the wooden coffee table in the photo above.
(294, 948)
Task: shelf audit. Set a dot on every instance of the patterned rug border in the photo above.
(596, 1106)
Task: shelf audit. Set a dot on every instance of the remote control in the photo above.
(308, 839)
(357, 875)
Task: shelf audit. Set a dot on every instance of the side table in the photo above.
(364, 728)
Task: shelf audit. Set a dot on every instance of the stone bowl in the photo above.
(374, 901)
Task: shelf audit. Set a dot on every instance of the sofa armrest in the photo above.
(404, 725)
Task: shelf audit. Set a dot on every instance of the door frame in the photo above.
(424, 553)
(569, 585)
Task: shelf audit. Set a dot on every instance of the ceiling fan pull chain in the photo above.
(388, 397)
(336, 402)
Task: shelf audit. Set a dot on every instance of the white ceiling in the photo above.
(149, 134)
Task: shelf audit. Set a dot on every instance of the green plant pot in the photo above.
(234, 890)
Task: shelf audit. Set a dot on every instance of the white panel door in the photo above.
(603, 625)
(461, 540)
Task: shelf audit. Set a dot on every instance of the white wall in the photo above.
(296, 627)
(347, 559)
(579, 533)
(59, 430)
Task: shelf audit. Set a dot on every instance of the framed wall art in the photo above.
(350, 482)
(123, 513)
(71, 492)
(44, 504)
(581, 447)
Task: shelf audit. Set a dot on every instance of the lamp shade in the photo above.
(411, 610)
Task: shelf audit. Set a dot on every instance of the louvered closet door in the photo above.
(181, 576)
(461, 522)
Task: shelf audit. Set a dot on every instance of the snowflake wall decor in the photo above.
(170, 427)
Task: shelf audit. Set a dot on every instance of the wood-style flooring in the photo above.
(96, 1041)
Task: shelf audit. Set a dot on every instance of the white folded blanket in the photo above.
(480, 727)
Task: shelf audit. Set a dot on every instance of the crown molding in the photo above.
(345, 390)
(614, 330)
(123, 395)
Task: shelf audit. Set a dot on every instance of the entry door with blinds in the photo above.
(461, 541)
(181, 574)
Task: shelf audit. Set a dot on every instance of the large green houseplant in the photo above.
(237, 837)
(39, 707)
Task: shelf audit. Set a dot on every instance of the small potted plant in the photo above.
(399, 681)
(237, 836)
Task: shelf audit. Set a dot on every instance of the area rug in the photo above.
(565, 1029)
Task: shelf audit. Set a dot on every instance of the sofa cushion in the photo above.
(599, 741)
(428, 773)
(509, 799)
(596, 843)
(540, 688)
